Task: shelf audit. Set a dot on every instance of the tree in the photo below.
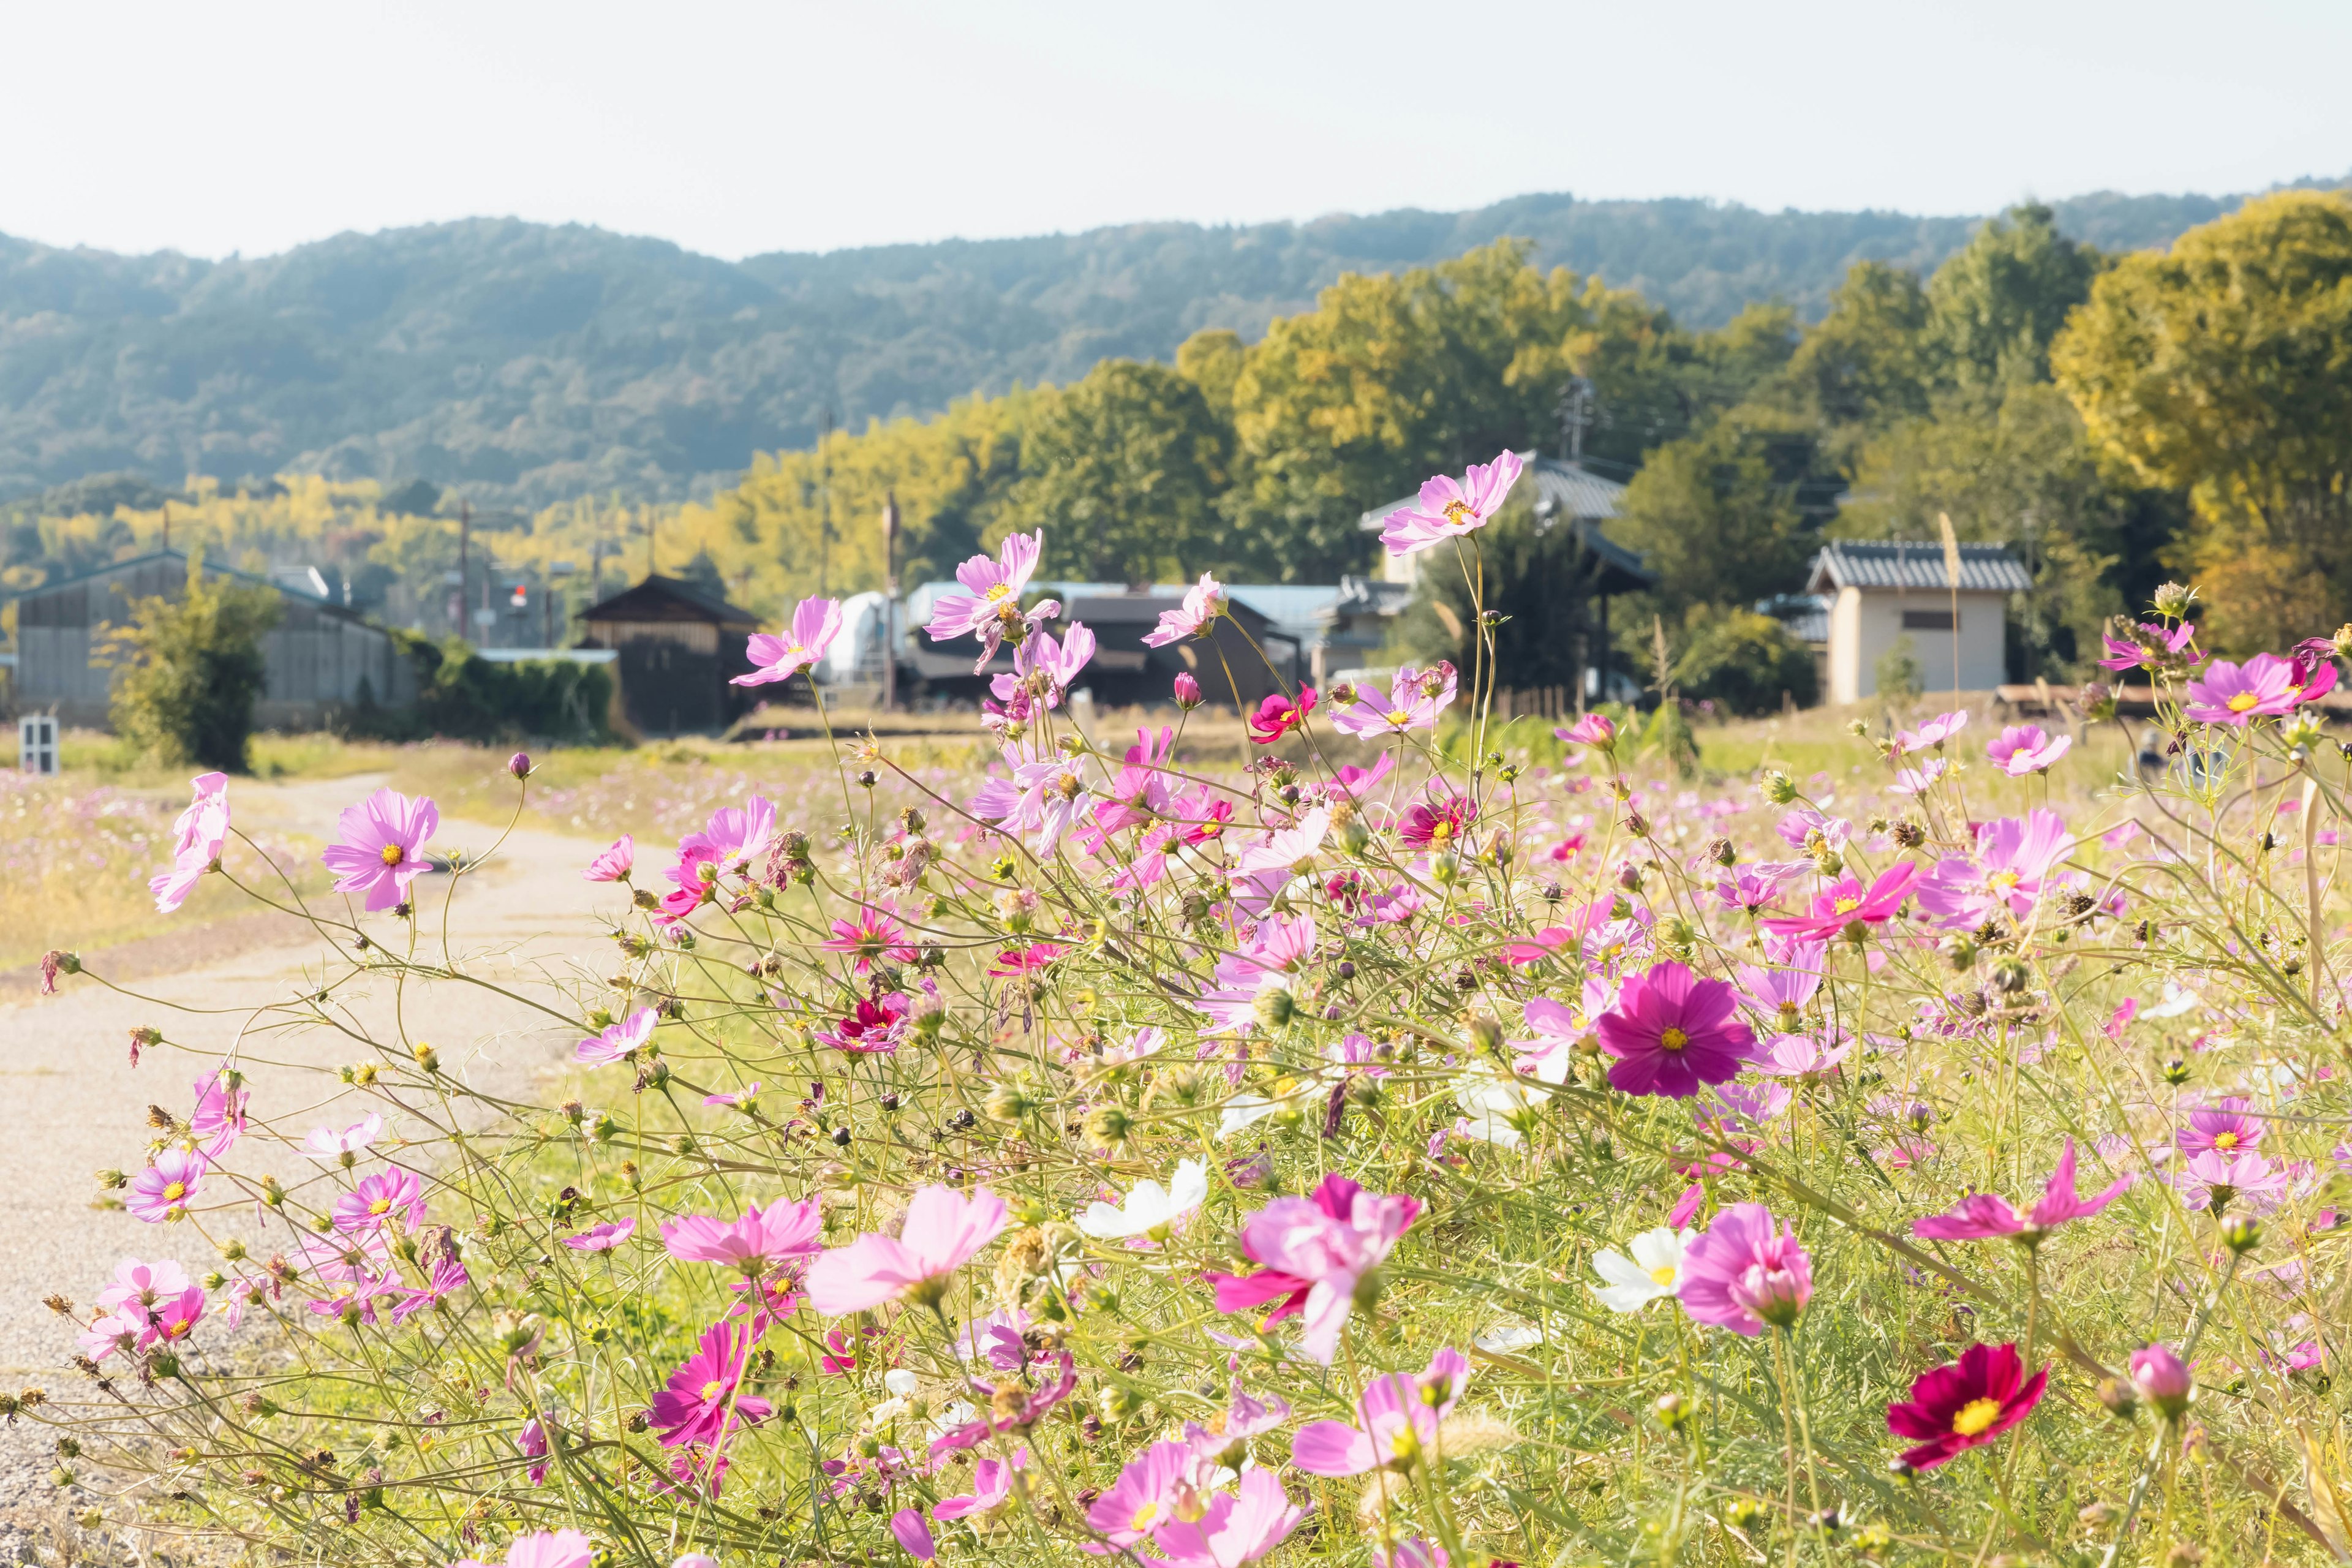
(1716, 515)
(1996, 305)
(1120, 471)
(1535, 576)
(1746, 663)
(1864, 364)
(190, 669)
(2225, 368)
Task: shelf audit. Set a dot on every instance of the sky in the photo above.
(734, 129)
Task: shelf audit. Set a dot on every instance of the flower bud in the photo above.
(112, 1180)
(1671, 1409)
(1779, 787)
(1723, 851)
(520, 765)
(2242, 1232)
(1275, 1006)
(1188, 692)
(2011, 975)
(1106, 1127)
(2172, 600)
(1445, 868)
(2163, 1380)
(2119, 1396)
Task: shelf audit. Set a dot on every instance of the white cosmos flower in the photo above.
(1655, 1270)
(1504, 1338)
(1489, 1105)
(1150, 1209)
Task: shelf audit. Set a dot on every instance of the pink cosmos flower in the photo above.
(992, 1489)
(199, 836)
(1396, 1421)
(449, 1277)
(2223, 1127)
(139, 1289)
(1563, 1028)
(2161, 647)
(110, 1332)
(1316, 1252)
(2215, 1181)
(1965, 1405)
(1919, 781)
(1746, 1272)
(165, 1190)
(755, 1243)
(1139, 793)
(876, 1026)
(385, 1196)
(991, 610)
(327, 1143)
(913, 1536)
(1356, 783)
(1058, 662)
(601, 1237)
(1204, 603)
(874, 935)
(1845, 907)
(1437, 823)
(1009, 1407)
(942, 1231)
(1803, 1056)
(1594, 729)
(1781, 995)
(1278, 715)
(218, 1119)
(1186, 690)
(1984, 1215)
(174, 1319)
(1934, 732)
(1237, 1527)
(1449, 510)
(2163, 1379)
(700, 1403)
(382, 846)
(738, 835)
(1150, 1488)
(1041, 802)
(2263, 687)
(1416, 697)
(2022, 749)
(744, 1096)
(1671, 1031)
(2015, 858)
(532, 1441)
(560, 1549)
(815, 623)
(617, 1040)
(616, 863)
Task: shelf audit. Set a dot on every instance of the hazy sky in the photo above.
(736, 128)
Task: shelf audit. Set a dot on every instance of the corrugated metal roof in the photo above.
(1909, 564)
(167, 552)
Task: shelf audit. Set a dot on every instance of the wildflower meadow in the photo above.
(1380, 1150)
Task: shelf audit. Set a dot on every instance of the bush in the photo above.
(190, 670)
(1900, 679)
(462, 695)
(1746, 662)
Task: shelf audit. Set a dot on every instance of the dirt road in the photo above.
(76, 1105)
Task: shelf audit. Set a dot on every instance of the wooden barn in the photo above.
(679, 649)
(322, 655)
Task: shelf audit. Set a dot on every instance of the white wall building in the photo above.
(1881, 591)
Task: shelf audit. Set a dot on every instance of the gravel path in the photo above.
(76, 1105)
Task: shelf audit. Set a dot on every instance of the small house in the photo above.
(1884, 591)
(679, 649)
(321, 655)
(1226, 662)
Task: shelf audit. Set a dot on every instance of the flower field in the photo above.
(1354, 1155)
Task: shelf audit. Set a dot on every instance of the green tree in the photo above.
(2224, 367)
(1120, 471)
(1717, 515)
(1536, 577)
(1864, 366)
(190, 669)
(1746, 663)
(1996, 305)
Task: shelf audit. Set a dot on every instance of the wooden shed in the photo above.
(679, 647)
(321, 655)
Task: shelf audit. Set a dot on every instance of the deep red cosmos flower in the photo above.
(1966, 1404)
(1437, 823)
(1278, 715)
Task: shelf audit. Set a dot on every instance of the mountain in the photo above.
(522, 364)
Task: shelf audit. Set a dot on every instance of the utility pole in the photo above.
(890, 599)
(1575, 415)
(465, 540)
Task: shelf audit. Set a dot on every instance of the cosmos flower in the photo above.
(543, 1549)
(2012, 869)
(380, 1199)
(1009, 1407)
(1594, 729)
(165, 1190)
(943, 1229)
(382, 847)
(874, 935)
(1984, 1215)
(2223, 1127)
(1316, 1251)
(2161, 647)
(1396, 1421)
(1932, 733)
(1746, 1272)
(913, 1536)
(1150, 1209)
(1237, 1527)
(700, 1403)
(815, 623)
(1449, 510)
(1277, 716)
(992, 1489)
(1204, 603)
(1846, 907)
(2214, 1180)
(992, 609)
(1416, 697)
(198, 838)
(2022, 749)
(756, 1242)
(615, 863)
(2163, 1379)
(2263, 687)
(1655, 1270)
(601, 1237)
(874, 1026)
(617, 1040)
(1965, 1405)
(1437, 823)
(1671, 1031)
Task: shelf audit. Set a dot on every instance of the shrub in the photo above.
(1900, 679)
(190, 669)
(463, 696)
(1746, 663)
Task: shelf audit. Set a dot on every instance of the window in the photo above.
(1929, 621)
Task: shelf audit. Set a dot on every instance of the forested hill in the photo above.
(527, 364)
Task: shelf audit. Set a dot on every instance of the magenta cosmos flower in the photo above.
(1746, 1272)
(2223, 1127)
(2022, 749)
(1594, 729)
(1448, 511)
(1204, 603)
(198, 838)
(1416, 697)
(1845, 907)
(1983, 1215)
(815, 623)
(913, 1536)
(1965, 1405)
(1437, 823)
(943, 1229)
(2261, 688)
(2155, 649)
(382, 849)
(616, 863)
(1396, 1422)
(1278, 715)
(1671, 1031)
(543, 1549)
(700, 1403)
(1316, 1251)
(875, 934)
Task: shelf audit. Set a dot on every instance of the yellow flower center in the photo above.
(2225, 1139)
(1441, 833)
(1144, 1516)
(1403, 1444)
(1672, 1041)
(1458, 513)
(1000, 591)
(392, 855)
(1975, 1416)
(380, 1206)
(2241, 701)
(1664, 1274)
(2003, 880)
(1400, 718)
(175, 1192)
(1847, 906)
(714, 1388)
